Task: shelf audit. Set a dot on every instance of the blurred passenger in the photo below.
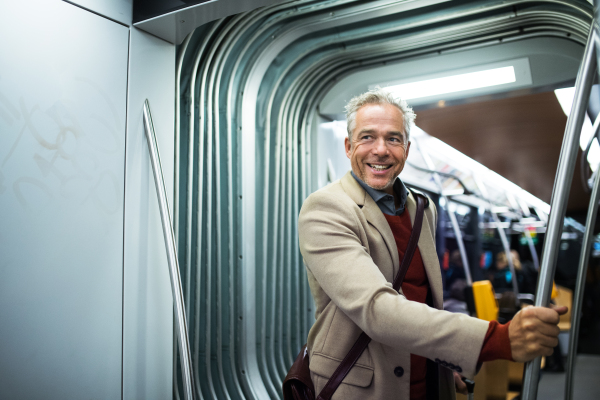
(526, 276)
(456, 270)
(502, 276)
(456, 301)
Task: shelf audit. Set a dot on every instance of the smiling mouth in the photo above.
(378, 167)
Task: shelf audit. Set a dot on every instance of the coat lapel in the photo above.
(373, 215)
(426, 246)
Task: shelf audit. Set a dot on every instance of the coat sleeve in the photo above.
(333, 242)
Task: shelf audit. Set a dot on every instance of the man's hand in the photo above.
(533, 332)
(461, 387)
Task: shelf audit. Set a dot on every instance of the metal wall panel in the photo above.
(148, 301)
(118, 10)
(63, 82)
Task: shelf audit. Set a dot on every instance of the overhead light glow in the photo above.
(454, 83)
(451, 156)
(565, 99)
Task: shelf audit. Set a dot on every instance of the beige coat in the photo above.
(351, 258)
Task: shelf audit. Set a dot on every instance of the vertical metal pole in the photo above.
(581, 273)
(165, 217)
(579, 288)
(560, 194)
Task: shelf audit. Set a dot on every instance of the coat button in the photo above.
(398, 371)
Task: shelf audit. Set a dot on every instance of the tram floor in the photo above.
(586, 385)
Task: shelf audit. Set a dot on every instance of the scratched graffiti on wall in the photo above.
(61, 151)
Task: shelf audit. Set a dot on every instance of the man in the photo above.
(353, 234)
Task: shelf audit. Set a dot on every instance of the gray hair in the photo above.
(378, 96)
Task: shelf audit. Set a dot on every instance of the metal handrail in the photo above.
(165, 217)
(560, 194)
(579, 288)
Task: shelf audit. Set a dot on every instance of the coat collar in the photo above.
(376, 218)
(372, 213)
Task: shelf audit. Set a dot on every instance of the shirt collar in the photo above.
(384, 200)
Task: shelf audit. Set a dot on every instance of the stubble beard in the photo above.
(363, 177)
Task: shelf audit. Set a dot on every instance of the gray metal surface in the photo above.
(148, 325)
(560, 194)
(62, 160)
(169, 236)
(117, 10)
(586, 248)
(250, 86)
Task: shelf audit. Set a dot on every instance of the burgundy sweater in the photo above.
(415, 287)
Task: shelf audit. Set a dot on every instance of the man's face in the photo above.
(378, 149)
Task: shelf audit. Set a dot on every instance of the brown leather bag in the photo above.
(297, 385)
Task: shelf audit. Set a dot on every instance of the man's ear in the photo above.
(348, 146)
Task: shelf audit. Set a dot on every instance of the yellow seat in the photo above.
(485, 301)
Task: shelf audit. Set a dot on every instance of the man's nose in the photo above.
(380, 147)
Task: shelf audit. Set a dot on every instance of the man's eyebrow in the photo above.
(393, 133)
(399, 133)
(366, 131)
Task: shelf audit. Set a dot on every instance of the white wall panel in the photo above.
(63, 82)
(148, 306)
(119, 10)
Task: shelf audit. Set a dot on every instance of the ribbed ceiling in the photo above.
(248, 89)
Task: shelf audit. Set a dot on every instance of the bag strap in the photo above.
(363, 340)
(412, 242)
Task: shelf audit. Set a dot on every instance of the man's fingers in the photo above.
(548, 341)
(461, 387)
(546, 315)
(560, 310)
(548, 329)
(548, 351)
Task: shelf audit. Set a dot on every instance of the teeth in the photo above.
(379, 167)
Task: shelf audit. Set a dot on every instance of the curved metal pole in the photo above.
(560, 194)
(506, 247)
(454, 222)
(534, 255)
(165, 217)
(579, 288)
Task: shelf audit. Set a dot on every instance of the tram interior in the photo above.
(247, 101)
